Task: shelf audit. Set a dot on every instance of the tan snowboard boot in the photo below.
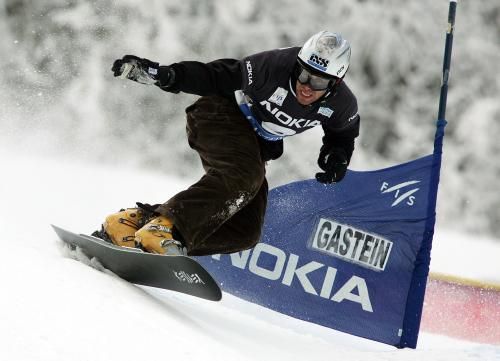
(121, 227)
(156, 237)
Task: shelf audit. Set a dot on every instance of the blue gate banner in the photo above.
(352, 256)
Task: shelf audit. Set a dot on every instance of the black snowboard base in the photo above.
(176, 273)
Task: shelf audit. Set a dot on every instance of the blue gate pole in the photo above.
(441, 122)
(447, 59)
(414, 306)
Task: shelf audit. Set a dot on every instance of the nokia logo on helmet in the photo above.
(318, 62)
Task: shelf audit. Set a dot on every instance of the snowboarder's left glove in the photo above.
(334, 162)
(141, 70)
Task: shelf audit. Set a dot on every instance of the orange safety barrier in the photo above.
(462, 308)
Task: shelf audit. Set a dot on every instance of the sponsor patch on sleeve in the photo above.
(327, 112)
(353, 117)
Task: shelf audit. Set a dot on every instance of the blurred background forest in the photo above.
(58, 95)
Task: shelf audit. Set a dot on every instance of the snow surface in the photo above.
(53, 307)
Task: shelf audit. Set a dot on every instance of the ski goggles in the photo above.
(315, 82)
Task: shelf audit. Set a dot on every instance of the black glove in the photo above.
(334, 162)
(141, 70)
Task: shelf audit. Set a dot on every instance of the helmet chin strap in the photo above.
(331, 89)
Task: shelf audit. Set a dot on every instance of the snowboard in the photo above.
(176, 273)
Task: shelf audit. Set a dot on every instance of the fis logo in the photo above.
(402, 192)
(279, 96)
(318, 62)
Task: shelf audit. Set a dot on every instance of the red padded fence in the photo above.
(462, 308)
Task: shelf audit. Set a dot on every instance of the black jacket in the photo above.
(266, 84)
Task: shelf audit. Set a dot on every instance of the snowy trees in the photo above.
(58, 55)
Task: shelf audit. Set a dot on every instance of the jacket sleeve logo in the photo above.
(249, 72)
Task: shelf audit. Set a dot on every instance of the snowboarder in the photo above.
(247, 107)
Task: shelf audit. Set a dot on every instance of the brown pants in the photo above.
(224, 211)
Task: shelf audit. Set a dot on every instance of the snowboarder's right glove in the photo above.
(334, 162)
(144, 71)
(141, 70)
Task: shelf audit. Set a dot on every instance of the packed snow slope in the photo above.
(55, 307)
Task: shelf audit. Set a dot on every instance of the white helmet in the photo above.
(326, 53)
